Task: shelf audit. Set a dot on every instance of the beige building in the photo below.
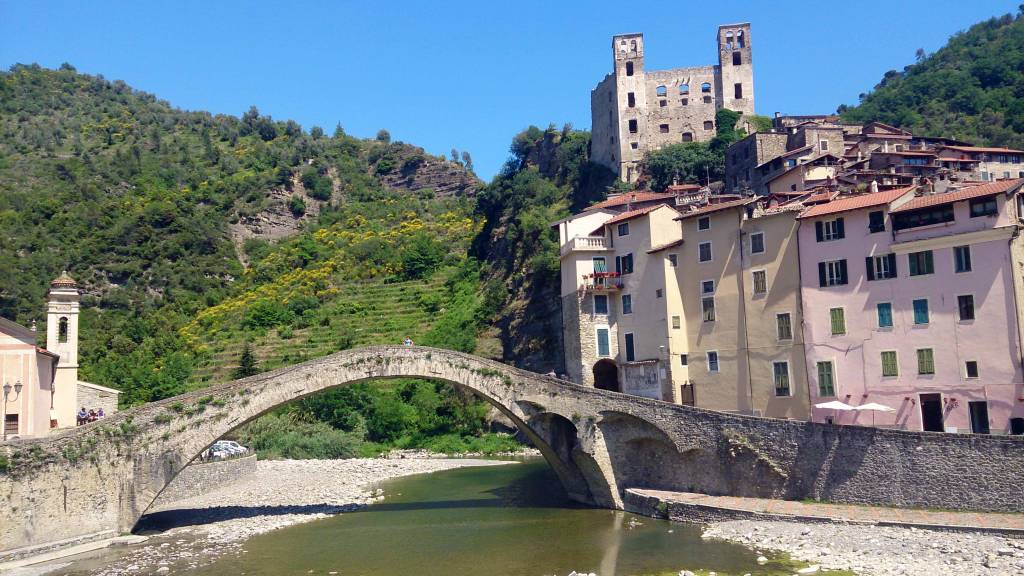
(45, 392)
(634, 110)
(621, 307)
(739, 279)
(801, 155)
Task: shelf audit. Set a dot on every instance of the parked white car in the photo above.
(229, 446)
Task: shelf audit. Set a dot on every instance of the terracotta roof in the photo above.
(983, 149)
(821, 197)
(715, 208)
(629, 215)
(64, 281)
(684, 187)
(671, 244)
(855, 202)
(960, 195)
(630, 197)
(46, 352)
(795, 152)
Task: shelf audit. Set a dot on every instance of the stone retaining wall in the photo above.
(201, 477)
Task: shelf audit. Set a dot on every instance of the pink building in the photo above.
(911, 302)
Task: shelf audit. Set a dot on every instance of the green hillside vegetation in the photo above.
(971, 89)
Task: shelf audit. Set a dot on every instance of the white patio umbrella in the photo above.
(874, 407)
(834, 405)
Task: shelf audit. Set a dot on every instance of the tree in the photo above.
(316, 132)
(384, 136)
(455, 155)
(246, 363)
(684, 162)
(467, 160)
(338, 130)
(297, 205)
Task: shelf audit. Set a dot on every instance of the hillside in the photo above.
(971, 89)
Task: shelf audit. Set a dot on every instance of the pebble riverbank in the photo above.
(879, 550)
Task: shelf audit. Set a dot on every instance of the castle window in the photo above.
(707, 99)
(684, 101)
(684, 89)
(634, 145)
(629, 68)
(663, 128)
(661, 90)
(739, 39)
(728, 40)
(631, 100)
(632, 46)
(708, 125)
(632, 127)
(738, 89)
(687, 137)
(622, 46)
(662, 103)
(737, 59)
(62, 330)
(705, 87)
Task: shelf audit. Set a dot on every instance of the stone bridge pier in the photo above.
(97, 480)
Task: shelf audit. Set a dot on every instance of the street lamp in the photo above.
(7, 392)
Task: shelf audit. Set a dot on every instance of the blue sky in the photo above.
(467, 75)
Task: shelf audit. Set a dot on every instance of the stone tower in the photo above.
(62, 339)
(735, 89)
(631, 92)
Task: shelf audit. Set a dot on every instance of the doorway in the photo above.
(979, 417)
(931, 413)
(606, 375)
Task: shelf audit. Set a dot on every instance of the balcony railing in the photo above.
(585, 243)
(602, 281)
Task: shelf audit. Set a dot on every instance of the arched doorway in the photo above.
(606, 375)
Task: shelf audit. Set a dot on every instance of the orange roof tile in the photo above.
(630, 197)
(715, 208)
(855, 202)
(628, 215)
(960, 195)
(983, 149)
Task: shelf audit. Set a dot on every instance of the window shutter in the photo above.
(819, 230)
(912, 263)
(842, 272)
(929, 264)
(892, 265)
(840, 230)
(822, 280)
(618, 264)
(870, 263)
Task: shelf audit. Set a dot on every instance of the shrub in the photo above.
(267, 314)
(297, 206)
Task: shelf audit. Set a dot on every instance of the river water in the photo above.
(499, 520)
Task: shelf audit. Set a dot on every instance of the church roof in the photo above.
(64, 281)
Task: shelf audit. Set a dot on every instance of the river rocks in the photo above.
(870, 550)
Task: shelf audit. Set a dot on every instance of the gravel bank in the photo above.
(196, 531)
(878, 550)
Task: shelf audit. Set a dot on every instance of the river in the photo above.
(486, 521)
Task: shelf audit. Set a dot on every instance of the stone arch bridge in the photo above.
(100, 478)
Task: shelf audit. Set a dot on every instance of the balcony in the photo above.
(602, 282)
(585, 244)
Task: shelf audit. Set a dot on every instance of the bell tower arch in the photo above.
(62, 339)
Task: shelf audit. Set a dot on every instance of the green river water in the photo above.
(497, 520)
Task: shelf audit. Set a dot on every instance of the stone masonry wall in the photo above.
(200, 477)
(94, 399)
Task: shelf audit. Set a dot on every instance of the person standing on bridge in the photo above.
(407, 341)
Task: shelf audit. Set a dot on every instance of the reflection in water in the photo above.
(485, 521)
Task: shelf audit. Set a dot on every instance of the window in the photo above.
(631, 100)
(600, 304)
(662, 103)
(760, 280)
(661, 90)
(784, 326)
(629, 68)
(673, 260)
(925, 217)
(826, 379)
(712, 361)
(632, 126)
(676, 323)
(890, 364)
(881, 267)
(737, 59)
(687, 137)
(737, 90)
(884, 314)
(837, 321)
(707, 99)
(781, 377)
(663, 128)
(707, 287)
(984, 206)
(634, 145)
(624, 229)
(832, 273)
(684, 101)
(965, 306)
(705, 88)
(630, 351)
(704, 252)
(709, 125)
(757, 243)
(624, 264)
(603, 348)
(659, 293)
(599, 264)
(962, 258)
(925, 361)
(627, 304)
(823, 145)
(11, 424)
(826, 230)
(876, 221)
(62, 330)
(684, 89)
(704, 223)
(971, 369)
(684, 359)
(921, 311)
(921, 263)
(707, 305)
